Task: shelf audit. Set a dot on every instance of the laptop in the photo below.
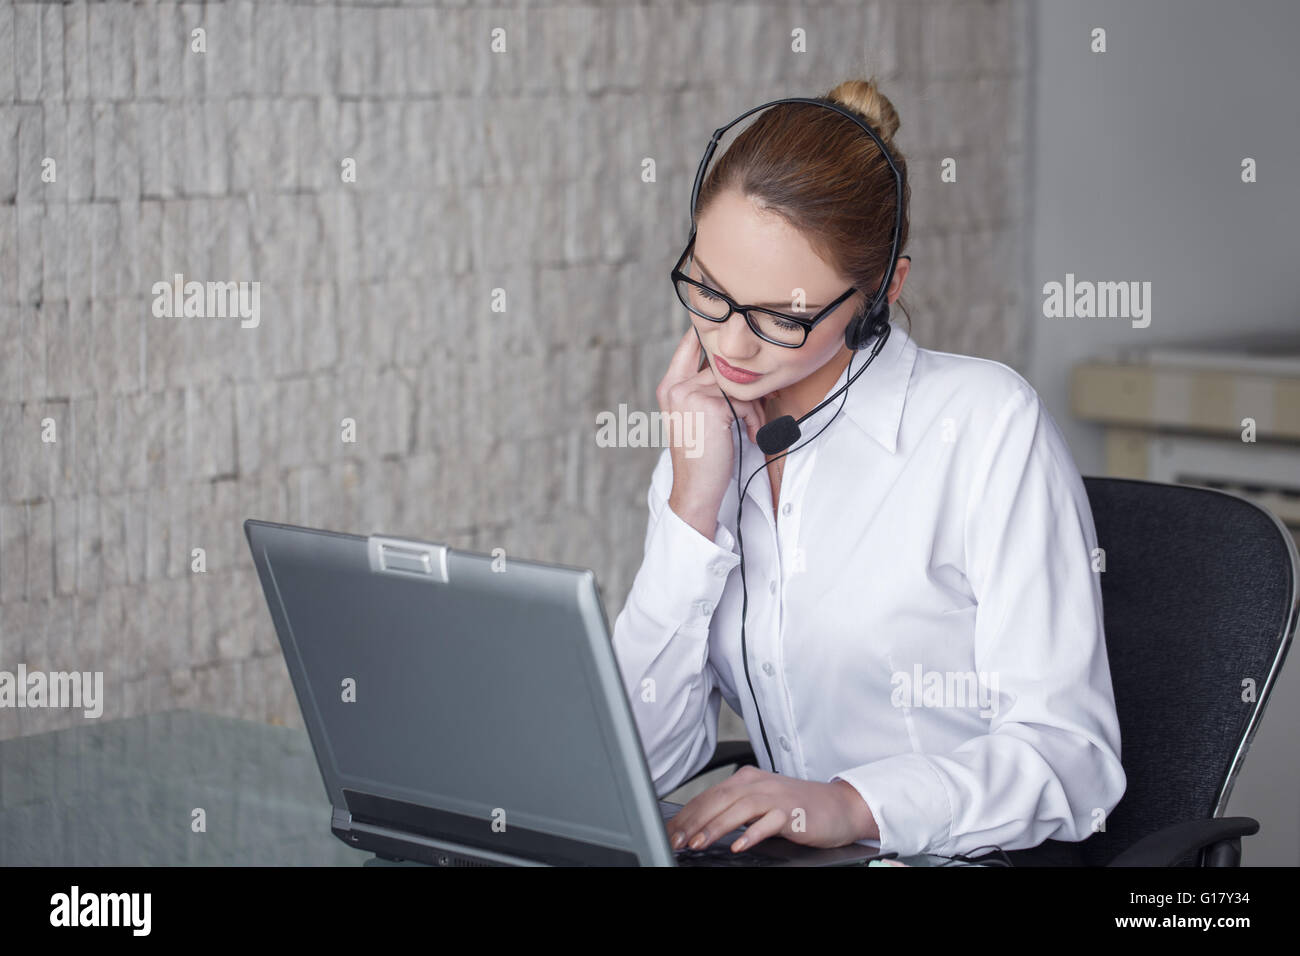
(466, 709)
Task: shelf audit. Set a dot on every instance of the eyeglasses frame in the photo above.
(733, 307)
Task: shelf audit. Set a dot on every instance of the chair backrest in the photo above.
(1199, 594)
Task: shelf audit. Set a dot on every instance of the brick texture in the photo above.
(475, 171)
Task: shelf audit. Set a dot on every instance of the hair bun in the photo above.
(863, 97)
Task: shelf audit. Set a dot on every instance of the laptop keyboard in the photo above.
(719, 854)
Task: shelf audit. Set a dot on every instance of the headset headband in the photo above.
(866, 127)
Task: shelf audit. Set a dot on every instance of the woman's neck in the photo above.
(802, 396)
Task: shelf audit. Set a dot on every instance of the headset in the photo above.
(775, 437)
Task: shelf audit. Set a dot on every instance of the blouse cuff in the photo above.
(908, 800)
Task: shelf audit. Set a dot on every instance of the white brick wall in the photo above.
(474, 172)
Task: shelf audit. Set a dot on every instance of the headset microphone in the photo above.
(778, 435)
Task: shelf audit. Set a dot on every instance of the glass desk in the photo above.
(125, 792)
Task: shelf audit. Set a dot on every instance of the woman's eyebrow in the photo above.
(775, 305)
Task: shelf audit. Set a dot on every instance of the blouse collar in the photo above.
(874, 402)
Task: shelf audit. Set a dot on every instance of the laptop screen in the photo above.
(475, 697)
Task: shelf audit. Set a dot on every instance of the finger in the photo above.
(752, 417)
(699, 827)
(703, 806)
(707, 377)
(769, 824)
(685, 357)
(746, 412)
(704, 378)
(698, 381)
(701, 381)
(711, 376)
(746, 808)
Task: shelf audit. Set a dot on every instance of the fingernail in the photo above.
(741, 844)
(678, 838)
(698, 841)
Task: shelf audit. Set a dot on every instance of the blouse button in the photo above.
(768, 669)
(787, 509)
(785, 744)
(718, 568)
(771, 587)
(705, 608)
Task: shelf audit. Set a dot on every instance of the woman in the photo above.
(926, 659)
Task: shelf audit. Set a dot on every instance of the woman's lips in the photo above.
(731, 373)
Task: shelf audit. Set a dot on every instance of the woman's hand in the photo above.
(803, 811)
(702, 468)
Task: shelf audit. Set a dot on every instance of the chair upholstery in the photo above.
(1199, 594)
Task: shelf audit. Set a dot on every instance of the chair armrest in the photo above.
(728, 752)
(1166, 847)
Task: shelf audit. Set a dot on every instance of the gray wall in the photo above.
(1136, 176)
(476, 171)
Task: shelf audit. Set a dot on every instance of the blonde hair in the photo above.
(865, 99)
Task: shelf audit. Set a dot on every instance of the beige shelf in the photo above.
(1203, 400)
(1184, 425)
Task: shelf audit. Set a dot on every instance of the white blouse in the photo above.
(925, 620)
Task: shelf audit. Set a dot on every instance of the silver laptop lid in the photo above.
(452, 695)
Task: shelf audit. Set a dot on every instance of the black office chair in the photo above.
(1200, 595)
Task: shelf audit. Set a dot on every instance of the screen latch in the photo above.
(398, 556)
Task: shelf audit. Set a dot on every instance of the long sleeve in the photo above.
(1049, 766)
(661, 638)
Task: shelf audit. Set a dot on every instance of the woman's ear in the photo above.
(903, 266)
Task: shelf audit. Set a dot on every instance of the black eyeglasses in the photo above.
(787, 331)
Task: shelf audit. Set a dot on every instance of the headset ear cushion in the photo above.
(852, 338)
(863, 328)
(882, 318)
